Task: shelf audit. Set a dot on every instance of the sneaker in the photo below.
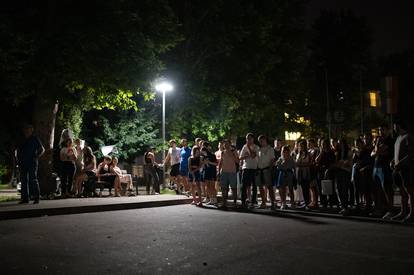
(408, 219)
(283, 207)
(262, 206)
(387, 216)
(100, 194)
(344, 212)
(398, 217)
(200, 204)
(273, 207)
(193, 203)
(223, 207)
(206, 200)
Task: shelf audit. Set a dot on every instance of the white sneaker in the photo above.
(283, 207)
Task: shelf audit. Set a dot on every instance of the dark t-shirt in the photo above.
(212, 158)
(28, 151)
(383, 160)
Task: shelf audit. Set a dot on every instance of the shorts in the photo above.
(210, 174)
(248, 176)
(264, 177)
(228, 179)
(196, 177)
(175, 170)
(183, 172)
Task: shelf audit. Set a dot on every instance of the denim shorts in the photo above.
(228, 179)
(183, 172)
(196, 177)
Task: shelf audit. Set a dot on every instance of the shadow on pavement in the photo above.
(278, 214)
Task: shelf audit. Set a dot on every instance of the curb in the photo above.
(290, 212)
(31, 213)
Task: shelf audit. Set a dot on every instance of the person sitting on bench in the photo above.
(105, 177)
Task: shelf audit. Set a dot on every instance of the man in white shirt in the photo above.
(248, 155)
(266, 158)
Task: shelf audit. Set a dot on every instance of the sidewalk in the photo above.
(12, 210)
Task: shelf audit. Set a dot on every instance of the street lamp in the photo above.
(163, 87)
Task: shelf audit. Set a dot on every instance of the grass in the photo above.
(9, 198)
(167, 191)
(4, 186)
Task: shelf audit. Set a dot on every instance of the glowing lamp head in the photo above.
(164, 87)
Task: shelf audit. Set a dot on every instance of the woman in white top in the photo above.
(68, 157)
(173, 159)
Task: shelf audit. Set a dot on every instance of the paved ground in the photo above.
(13, 210)
(189, 240)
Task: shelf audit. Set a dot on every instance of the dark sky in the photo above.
(392, 22)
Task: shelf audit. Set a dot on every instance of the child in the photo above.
(286, 167)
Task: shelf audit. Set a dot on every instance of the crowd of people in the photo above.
(309, 174)
(312, 173)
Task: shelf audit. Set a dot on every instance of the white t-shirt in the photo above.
(266, 156)
(249, 163)
(174, 155)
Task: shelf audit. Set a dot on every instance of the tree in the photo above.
(238, 66)
(90, 54)
(340, 58)
(130, 131)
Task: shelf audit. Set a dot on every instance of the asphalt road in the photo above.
(189, 240)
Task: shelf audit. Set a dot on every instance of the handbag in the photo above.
(327, 187)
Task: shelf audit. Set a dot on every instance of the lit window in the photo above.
(373, 99)
(292, 135)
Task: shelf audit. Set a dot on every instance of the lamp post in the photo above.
(163, 87)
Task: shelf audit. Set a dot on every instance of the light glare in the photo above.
(164, 87)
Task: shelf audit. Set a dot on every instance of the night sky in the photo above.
(392, 22)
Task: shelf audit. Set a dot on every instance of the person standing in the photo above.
(248, 156)
(28, 153)
(150, 172)
(266, 158)
(383, 153)
(185, 154)
(68, 156)
(303, 171)
(78, 163)
(403, 166)
(285, 183)
(228, 172)
(173, 159)
(210, 173)
(220, 149)
(313, 153)
(325, 163)
(194, 166)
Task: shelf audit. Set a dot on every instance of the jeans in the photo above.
(249, 179)
(151, 179)
(343, 182)
(30, 184)
(68, 172)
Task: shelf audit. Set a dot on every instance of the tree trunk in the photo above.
(44, 122)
